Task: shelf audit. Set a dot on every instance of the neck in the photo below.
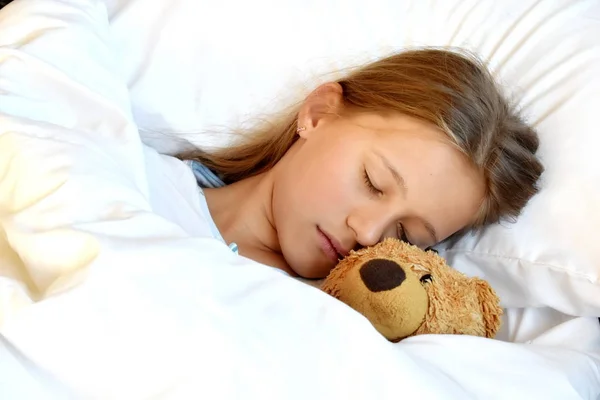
(243, 213)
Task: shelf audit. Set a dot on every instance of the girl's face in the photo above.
(350, 182)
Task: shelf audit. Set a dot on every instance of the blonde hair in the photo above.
(452, 90)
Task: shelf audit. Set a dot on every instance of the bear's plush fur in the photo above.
(405, 291)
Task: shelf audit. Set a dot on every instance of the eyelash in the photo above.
(401, 232)
(370, 184)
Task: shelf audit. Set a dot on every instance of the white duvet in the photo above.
(111, 287)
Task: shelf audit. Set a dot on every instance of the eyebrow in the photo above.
(397, 177)
(402, 184)
(431, 231)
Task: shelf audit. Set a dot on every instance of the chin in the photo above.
(314, 272)
(307, 264)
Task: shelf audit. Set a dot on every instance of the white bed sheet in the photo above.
(110, 286)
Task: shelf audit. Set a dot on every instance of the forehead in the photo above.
(391, 125)
(404, 139)
(442, 185)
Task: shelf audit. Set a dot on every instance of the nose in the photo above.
(380, 275)
(369, 225)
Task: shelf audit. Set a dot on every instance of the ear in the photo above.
(490, 307)
(324, 101)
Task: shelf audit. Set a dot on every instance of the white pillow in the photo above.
(198, 67)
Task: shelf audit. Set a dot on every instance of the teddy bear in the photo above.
(405, 291)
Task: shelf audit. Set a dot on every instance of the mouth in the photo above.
(331, 247)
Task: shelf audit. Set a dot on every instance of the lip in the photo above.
(331, 247)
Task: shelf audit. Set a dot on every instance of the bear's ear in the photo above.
(490, 307)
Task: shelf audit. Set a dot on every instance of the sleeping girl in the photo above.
(420, 145)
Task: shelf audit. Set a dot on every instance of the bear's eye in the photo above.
(426, 278)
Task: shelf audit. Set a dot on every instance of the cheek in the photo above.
(327, 185)
(326, 180)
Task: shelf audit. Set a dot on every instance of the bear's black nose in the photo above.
(380, 274)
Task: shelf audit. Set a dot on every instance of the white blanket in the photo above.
(111, 287)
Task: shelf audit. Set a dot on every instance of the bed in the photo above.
(108, 288)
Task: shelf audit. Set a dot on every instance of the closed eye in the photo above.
(370, 185)
(401, 233)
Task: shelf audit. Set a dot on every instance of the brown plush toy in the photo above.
(405, 291)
